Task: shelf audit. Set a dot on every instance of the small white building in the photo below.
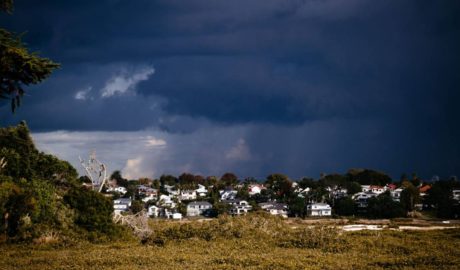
(396, 194)
(456, 194)
(361, 198)
(153, 211)
(166, 201)
(254, 189)
(187, 195)
(197, 208)
(274, 208)
(151, 197)
(228, 194)
(238, 207)
(201, 191)
(319, 210)
(121, 205)
(121, 190)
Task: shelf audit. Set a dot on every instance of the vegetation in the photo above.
(252, 242)
(41, 195)
(18, 66)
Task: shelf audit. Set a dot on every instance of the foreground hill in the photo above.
(252, 242)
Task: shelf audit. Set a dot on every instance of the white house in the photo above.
(151, 197)
(197, 208)
(166, 201)
(254, 189)
(121, 205)
(228, 194)
(302, 193)
(238, 207)
(201, 191)
(319, 209)
(171, 190)
(456, 194)
(187, 195)
(361, 198)
(372, 188)
(176, 216)
(121, 190)
(396, 194)
(274, 208)
(153, 211)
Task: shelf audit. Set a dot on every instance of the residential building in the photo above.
(197, 208)
(238, 207)
(228, 194)
(201, 191)
(319, 210)
(121, 205)
(254, 189)
(274, 208)
(187, 195)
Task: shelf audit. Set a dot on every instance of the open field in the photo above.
(248, 244)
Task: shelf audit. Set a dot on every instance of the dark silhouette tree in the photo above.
(18, 66)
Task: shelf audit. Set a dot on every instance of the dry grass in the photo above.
(248, 243)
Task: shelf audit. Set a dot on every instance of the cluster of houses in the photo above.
(165, 204)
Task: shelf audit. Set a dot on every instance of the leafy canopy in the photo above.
(18, 66)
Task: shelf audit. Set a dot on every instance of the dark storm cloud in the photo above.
(391, 65)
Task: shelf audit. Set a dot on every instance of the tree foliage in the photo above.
(18, 66)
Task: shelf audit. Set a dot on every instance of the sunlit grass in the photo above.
(248, 243)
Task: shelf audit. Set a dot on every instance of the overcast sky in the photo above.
(254, 87)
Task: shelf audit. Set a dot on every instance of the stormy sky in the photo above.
(254, 87)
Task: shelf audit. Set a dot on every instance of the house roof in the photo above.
(199, 203)
(425, 188)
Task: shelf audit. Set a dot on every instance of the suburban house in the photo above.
(254, 189)
(166, 201)
(319, 210)
(361, 198)
(151, 197)
(227, 194)
(274, 208)
(171, 190)
(424, 189)
(374, 189)
(396, 194)
(121, 205)
(238, 207)
(121, 190)
(153, 211)
(187, 195)
(456, 194)
(302, 192)
(201, 191)
(197, 208)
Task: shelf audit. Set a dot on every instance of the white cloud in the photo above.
(126, 81)
(240, 151)
(152, 142)
(83, 93)
(134, 169)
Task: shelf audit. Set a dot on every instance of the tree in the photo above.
(409, 196)
(345, 207)
(353, 188)
(137, 206)
(229, 179)
(384, 206)
(280, 185)
(18, 66)
(368, 177)
(93, 210)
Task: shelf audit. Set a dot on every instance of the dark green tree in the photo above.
(384, 206)
(18, 66)
(345, 207)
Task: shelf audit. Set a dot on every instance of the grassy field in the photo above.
(248, 243)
